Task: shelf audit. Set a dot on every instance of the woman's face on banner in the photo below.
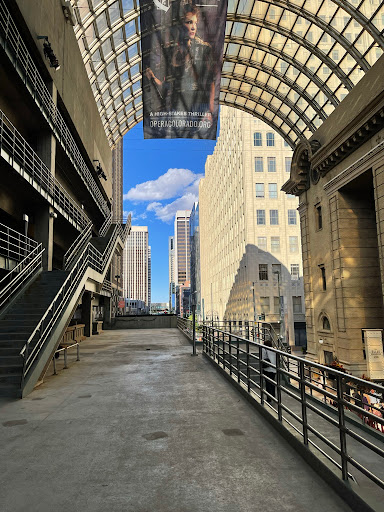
(190, 23)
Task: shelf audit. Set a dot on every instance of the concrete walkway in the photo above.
(138, 425)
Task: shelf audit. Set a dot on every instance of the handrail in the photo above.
(69, 256)
(106, 224)
(88, 257)
(295, 398)
(12, 142)
(28, 267)
(14, 245)
(27, 69)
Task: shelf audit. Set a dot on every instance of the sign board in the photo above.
(182, 51)
(121, 304)
(373, 339)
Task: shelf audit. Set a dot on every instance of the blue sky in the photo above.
(160, 177)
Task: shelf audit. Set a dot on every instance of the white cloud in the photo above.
(171, 184)
(167, 212)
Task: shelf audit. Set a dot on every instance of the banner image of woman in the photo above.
(182, 55)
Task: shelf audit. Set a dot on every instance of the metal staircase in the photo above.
(35, 315)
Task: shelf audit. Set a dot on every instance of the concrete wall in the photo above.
(146, 322)
(45, 17)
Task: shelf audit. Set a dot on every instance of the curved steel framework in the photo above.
(287, 62)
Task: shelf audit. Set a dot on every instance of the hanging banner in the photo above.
(182, 52)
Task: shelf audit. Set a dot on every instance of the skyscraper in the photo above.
(137, 264)
(249, 230)
(182, 246)
(171, 273)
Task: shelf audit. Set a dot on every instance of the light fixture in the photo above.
(99, 170)
(53, 215)
(68, 12)
(48, 53)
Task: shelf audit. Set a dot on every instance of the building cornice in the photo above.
(354, 170)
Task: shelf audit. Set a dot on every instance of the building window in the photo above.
(276, 305)
(271, 162)
(292, 217)
(319, 218)
(263, 272)
(257, 140)
(264, 304)
(271, 138)
(297, 308)
(259, 189)
(259, 166)
(260, 216)
(293, 244)
(262, 243)
(272, 190)
(288, 161)
(326, 324)
(274, 217)
(276, 270)
(275, 244)
(295, 270)
(323, 277)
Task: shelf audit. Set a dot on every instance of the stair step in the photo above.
(10, 390)
(10, 370)
(10, 378)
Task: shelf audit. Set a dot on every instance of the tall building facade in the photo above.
(182, 246)
(195, 259)
(249, 230)
(117, 180)
(137, 266)
(171, 274)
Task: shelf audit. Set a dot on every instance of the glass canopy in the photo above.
(289, 63)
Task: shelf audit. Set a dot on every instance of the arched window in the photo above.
(326, 324)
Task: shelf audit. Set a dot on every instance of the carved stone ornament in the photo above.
(301, 165)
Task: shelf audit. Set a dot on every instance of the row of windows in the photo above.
(271, 164)
(274, 217)
(265, 305)
(269, 137)
(275, 244)
(276, 271)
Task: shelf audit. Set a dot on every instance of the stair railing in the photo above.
(106, 224)
(88, 257)
(18, 247)
(70, 255)
(20, 275)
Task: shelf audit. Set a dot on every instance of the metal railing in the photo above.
(323, 412)
(14, 245)
(73, 251)
(65, 350)
(23, 62)
(106, 225)
(21, 153)
(88, 257)
(107, 286)
(20, 275)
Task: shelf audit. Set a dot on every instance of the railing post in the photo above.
(343, 440)
(65, 358)
(303, 401)
(54, 365)
(223, 349)
(248, 370)
(261, 373)
(278, 388)
(238, 359)
(324, 385)
(247, 326)
(78, 352)
(230, 353)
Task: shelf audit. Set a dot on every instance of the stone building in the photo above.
(249, 230)
(338, 176)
